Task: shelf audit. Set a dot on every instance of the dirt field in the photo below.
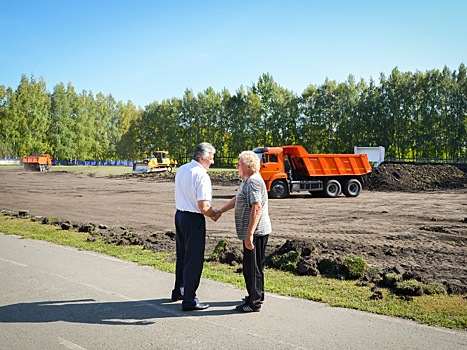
(420, 233)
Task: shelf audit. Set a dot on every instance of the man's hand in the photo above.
(217, 215)
(207, 210)
(249, 242)
(255, 214)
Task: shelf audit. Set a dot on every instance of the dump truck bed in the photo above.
(326, 164)
(35, 160)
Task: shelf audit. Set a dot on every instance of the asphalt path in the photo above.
(56, 297)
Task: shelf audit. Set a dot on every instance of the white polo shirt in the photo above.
(192, 184)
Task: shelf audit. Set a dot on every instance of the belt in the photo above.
(188, 212)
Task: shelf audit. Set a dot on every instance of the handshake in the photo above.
(217, 214)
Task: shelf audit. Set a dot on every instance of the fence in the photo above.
(219, 162)
(429, 160)
(93, 162)
(7, 161)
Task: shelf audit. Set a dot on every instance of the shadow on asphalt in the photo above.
(138, 312)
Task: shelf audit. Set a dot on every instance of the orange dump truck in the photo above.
(37, 161)
(290, 169)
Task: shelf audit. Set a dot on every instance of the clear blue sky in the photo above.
(147, 51)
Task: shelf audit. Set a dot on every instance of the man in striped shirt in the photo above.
(253, 227)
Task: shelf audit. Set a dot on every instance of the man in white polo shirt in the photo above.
(193, 198)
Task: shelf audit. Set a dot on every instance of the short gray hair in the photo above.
(251, 159)
(203, 150)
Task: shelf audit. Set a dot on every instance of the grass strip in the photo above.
(448, 311)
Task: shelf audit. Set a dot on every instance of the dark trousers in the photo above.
(190, 244)
(253, 270)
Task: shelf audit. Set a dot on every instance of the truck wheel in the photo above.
(278, 189)
(332, 188)
(352, 188)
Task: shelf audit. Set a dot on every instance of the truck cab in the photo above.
(272, 170)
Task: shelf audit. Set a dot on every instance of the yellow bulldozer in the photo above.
(160, 161)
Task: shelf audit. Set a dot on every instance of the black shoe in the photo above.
(198, 306)
(247, 308)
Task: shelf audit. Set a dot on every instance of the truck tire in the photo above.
(332, 188)
(279, 189)
(352, 188)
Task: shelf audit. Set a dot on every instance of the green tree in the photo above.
(309, 131)
(60, 134)
(458, 138)
(265, 117)
(102, 115)
(189, 122)
(125, 146)
(237, 125)
(30, 111)
(325, 112)
(9, 129)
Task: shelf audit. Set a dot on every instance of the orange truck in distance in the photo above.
(37, 161)
(288, 169)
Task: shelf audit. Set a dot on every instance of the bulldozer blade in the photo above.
(140, 169)
(158, 170)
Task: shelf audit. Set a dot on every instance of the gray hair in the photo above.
(251, 159)
(203, 150)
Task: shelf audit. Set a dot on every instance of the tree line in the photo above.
(415, 115)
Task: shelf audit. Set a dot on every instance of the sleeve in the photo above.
(255, 191)
(204, 189)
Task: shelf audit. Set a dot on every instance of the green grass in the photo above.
(214, 169)
(104, 170)
(11, 168)
(437, 310)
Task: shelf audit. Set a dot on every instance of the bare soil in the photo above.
(411, 220)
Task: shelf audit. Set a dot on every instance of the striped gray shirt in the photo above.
(252, 190)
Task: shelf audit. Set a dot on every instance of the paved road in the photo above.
(55, 297)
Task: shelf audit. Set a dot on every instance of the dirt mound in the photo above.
(160, 176)
(412, 177)
(225, 178)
